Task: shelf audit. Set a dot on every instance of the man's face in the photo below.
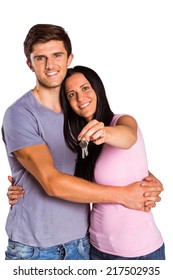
(49, 61)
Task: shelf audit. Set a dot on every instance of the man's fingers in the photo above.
(152, 194)
(150, 203)
(147, 209)
(154, 199)
(154, 186)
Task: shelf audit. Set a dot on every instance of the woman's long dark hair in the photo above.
(73, 124)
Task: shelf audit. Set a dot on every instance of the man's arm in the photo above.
(15, 192)
(39, 162)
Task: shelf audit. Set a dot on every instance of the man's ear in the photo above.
(28, 62)
(70, 58)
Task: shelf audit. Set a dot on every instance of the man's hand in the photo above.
(139, 195)
(155, 183)
(14, 192)
(153, 196)
(142, 195)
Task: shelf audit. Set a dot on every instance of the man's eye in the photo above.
(40, 58)
(57, 54)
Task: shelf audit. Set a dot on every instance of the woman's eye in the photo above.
(85, 88)
(70, 95)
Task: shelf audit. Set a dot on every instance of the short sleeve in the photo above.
(20, 129)
(115, 119)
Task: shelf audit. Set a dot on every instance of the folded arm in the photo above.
(39, 162)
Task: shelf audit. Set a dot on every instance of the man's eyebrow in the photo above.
(40, 55)
(59, 53)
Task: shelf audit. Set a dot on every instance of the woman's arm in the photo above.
(123, 135)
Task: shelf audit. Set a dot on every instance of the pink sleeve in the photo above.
(115, 119)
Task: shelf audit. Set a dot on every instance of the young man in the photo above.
(51, 220)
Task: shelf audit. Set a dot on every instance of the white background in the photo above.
(130, 45)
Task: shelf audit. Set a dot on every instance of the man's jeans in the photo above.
(74, 250)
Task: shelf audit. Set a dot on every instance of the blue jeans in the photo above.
(74, 250)
(156, 255)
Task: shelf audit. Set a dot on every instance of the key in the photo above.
(84, 147)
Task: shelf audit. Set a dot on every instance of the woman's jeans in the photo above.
(74, 250)
(156, 255)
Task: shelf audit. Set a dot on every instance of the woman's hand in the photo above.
(93, 131)
(123, 135)
(14, 192)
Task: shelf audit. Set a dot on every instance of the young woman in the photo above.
(116, 156)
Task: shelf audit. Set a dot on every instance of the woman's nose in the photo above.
(80, 96)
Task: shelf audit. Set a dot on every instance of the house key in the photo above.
(84, 147)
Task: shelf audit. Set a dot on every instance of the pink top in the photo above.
(114, 228)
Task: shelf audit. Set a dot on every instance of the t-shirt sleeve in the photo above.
(20, 129)
(115, 119)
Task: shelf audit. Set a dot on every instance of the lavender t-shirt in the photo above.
(38, 219)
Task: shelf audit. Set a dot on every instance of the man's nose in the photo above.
(49, 63)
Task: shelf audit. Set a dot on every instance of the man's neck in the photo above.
(49, 98)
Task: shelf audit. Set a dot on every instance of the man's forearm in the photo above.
(39, 162)
(75, 189)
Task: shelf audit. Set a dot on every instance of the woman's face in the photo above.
(81, 96)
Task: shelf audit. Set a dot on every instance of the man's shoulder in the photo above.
(18, 107)
(24, 99)
(21, 103)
